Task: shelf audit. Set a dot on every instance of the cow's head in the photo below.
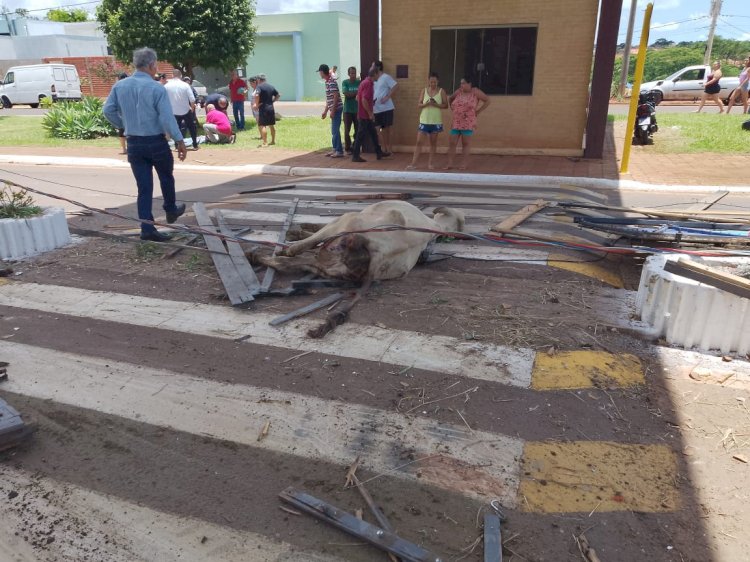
(346, 257)
(450, 220)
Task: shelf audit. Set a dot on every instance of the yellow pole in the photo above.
(637, 79)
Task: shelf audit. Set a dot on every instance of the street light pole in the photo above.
(626, 52)
(715, 11)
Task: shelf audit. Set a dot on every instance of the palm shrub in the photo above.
(16, 204)
(78, 120)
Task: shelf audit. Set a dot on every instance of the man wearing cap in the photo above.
(263, 101)
(141, 107)
(334, 107)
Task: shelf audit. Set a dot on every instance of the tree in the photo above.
(207, 33)
(68, 16)
(659, 43)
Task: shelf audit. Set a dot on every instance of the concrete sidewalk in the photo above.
(647, 167)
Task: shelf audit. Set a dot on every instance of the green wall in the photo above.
(327, 37)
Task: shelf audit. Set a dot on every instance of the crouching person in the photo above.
(217, 128)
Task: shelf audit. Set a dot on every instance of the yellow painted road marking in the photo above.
(582, 476)
(584, 369)
(597, 270)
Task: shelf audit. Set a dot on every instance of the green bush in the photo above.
(16, 204)
(78, 120)
(46, 103)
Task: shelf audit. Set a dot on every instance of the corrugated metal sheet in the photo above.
(691, 314)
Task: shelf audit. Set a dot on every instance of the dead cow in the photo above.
(370, 255)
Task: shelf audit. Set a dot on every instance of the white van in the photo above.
(29, 84)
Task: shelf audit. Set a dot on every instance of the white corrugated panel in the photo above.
(691, 314)
(20, 238)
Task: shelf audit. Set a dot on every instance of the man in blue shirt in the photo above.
(140, 105)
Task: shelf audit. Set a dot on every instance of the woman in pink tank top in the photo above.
(465, 104)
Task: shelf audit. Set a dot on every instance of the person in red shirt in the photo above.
(238, 94)
(217, 128)
(365, 116)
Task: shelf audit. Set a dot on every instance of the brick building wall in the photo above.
(550, 121)
(95, 82)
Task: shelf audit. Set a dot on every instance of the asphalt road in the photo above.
(115, 187)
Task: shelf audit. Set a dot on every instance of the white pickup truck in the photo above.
(688, 84)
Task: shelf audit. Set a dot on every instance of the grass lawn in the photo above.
(681, 133)
(292, 133)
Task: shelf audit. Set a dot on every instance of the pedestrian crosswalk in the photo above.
(541, 472)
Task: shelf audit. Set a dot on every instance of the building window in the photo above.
(499, 60)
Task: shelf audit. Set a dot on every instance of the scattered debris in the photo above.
(384, 196)
(290, 511)
(381, 538)
(587, 552)
(741, 458)
(267, 189)
(312, 307)
(264, 432)
(6, 272)
(13, 430)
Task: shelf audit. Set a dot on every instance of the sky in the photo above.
(675, 20)
(688, 20)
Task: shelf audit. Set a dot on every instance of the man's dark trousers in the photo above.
(188, 121)
(366, 127)
(145, 154)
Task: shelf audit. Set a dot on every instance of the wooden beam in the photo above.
(268, 277)
(312, 307)
(723, 281)
(369, 34)
(519, 216)
(601, 80)
(236, 290)
(244, 269)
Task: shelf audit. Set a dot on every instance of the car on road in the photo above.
(687, 84)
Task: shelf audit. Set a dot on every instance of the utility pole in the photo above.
(626, 52)
(715, 11)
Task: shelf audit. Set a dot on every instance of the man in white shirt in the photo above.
(183, 104)
(385, 88)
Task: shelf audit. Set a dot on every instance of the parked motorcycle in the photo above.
(645, 118)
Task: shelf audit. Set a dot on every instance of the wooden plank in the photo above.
(270, 272)
(710, 276)
(235, 288)
(519, 216)
(244, 269)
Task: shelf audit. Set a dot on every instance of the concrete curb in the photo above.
(417, 177)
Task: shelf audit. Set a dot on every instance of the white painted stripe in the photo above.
(132, 532)
(441, 354)
(300, 425)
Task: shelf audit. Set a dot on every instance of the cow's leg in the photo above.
(298, 264)
(344, 223)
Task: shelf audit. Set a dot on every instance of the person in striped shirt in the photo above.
(334, 108)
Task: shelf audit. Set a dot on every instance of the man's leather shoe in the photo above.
(179, 211)
(358, 159)
(156, 236)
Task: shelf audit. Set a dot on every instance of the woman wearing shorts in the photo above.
(743, 88)
(464, 103)
(431, 101)
(712, 88)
